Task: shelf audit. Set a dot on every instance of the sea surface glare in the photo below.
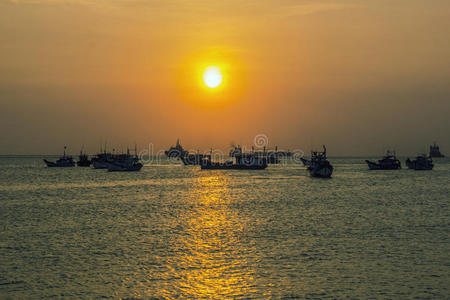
(173, 231)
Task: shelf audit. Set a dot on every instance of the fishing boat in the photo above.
(422, 162)
(388, 162)
(176, 151)
(83, 160)
(124, 163)
(319, 166)
(242, 161)
(435, 152)
(63, 161)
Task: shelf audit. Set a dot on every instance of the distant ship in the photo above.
(434, 151)
(388, 162)
(422, 162)
(83, 160)
(176, 151)
(242, 161)
(63, 161)
(319, 166)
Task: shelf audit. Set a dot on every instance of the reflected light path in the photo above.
(214, 263)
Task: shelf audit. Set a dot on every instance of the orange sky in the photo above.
(359, 76)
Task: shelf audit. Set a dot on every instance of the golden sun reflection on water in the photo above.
(214, 262)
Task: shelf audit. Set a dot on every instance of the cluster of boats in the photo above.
(103, 160)
(390, 162)
(318, 165)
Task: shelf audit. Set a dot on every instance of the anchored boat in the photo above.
(124, 163)
(422, 162)
(319, 166)
(388, 162)
(63, 161)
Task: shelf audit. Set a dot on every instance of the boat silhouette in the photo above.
(63, 161)
(83, 159)
(422, 162)
(434, 151)
(388, 162)
(124, 163)
(318, 165)
(176, 151)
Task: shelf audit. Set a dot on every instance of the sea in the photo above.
(177, 232)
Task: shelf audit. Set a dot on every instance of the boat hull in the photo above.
(321, 172)
(114, 167)
(376, 166)
(51, 164)
(415, 165)
(100, 164)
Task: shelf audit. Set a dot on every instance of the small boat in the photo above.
(194, 159)
(388, 162)
(83, 160)
(242, 161)
(435, 152)
(422, 162)
(176, 151)
(319, 166)
(63, 161)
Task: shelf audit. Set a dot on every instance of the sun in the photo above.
(212, 77)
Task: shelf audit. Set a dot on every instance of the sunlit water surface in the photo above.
(172, 231)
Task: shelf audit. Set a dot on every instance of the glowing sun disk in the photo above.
(212, 77)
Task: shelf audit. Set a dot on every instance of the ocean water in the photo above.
(177, 232)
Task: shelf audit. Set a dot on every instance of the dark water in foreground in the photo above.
(171, 231)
